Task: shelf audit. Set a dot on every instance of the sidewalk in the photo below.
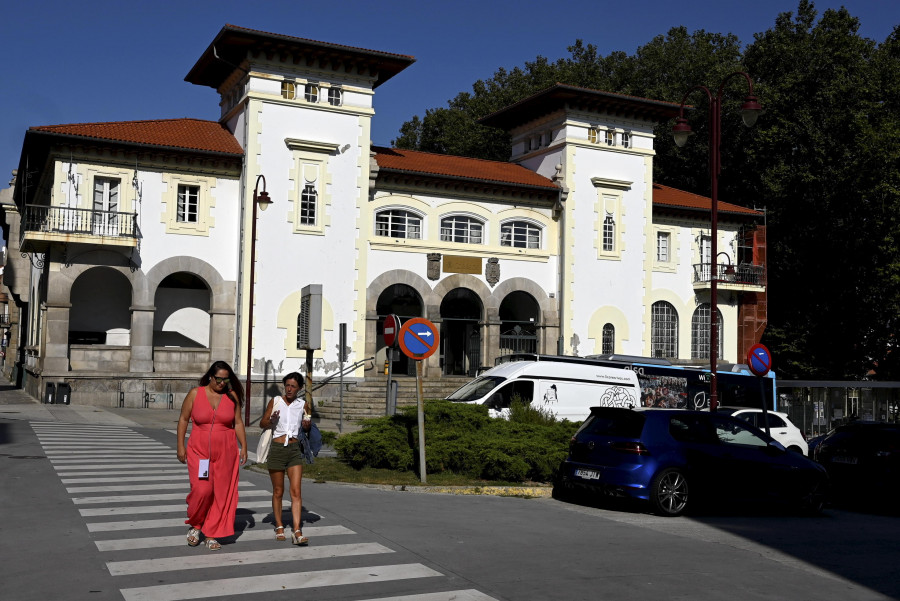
(15, 403)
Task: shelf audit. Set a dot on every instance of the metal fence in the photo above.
(816, 407)
(39, 218)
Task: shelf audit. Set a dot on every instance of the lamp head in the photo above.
(681, 131)
(751, 110)
(263, 200)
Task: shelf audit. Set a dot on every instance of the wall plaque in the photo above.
(454, 264)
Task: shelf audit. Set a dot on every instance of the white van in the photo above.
(568, 389)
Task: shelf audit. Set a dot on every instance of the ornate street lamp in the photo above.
(262, 200)
(681, 131)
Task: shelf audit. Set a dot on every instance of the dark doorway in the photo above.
(519, 313)
(461, 315)
(404, 302)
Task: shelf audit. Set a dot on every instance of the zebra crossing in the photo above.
(130, 491)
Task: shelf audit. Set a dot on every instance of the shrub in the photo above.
(462, 439)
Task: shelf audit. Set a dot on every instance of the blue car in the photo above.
(676, 459)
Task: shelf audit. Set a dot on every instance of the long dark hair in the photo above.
(235, 385)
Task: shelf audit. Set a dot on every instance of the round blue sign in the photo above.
(759, 360)
(418, 338)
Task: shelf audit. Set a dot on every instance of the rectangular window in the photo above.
(335, 96)
(311, 92)
(309, 198)
(610, 137)
(592, 135)
(188, 207)
(288, 90)
(626, 139)
(662, 247)
(609, 233)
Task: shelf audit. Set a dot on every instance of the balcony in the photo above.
(43, 226)
(744, 277)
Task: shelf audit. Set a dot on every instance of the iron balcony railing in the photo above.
(65, 220)
(744, 273)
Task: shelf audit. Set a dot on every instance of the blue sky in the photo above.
(79, 61)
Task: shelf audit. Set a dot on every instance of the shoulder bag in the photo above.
(265, 440)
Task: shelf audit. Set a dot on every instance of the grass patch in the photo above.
(331, 469)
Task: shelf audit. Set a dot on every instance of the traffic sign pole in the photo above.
(759, 360)
(421, 421)
(391, 327)
(418, 340)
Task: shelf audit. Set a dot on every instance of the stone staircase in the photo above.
(366, 398)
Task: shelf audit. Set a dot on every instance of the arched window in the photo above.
(397, 223)
(609, 233)
(520, 234)
(663, 330)
(700, 332)
(459, 228)
(609, 339)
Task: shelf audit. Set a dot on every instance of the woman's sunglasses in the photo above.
(221, 380)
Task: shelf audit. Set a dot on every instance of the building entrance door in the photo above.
(461, 314)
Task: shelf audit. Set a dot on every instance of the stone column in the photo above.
(491, 343)
(221, 335)
(56, 350)
(141, 339)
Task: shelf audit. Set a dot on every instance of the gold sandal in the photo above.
(193, 537)
(212, 544)
(298, 539)
(280, 535)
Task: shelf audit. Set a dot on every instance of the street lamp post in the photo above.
(750, 110)
(262, 200)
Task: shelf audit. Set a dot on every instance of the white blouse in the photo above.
(289, 418)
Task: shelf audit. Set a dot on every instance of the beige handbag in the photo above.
(265, 443)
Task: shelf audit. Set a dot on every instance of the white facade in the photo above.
(541, 254)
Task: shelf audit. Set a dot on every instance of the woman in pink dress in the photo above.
(215, 409)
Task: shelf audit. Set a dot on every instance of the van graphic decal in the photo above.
(617, 396)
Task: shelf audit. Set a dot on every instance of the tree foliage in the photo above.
(823, 160)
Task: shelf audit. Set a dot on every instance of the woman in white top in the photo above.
(286, 415)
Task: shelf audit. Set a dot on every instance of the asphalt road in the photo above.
(76, 529)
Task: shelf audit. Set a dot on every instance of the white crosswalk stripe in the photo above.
(127, 476)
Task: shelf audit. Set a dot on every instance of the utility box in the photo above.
(64, 393)
(50, 393)
(309, 334)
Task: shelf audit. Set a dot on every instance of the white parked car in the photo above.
(780, 426)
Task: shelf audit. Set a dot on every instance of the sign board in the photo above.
(418, 338)
(457, 264)
(391, 328)
(759, 360)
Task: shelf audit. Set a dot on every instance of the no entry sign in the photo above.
(418, 338)
(759, 360)
(391, 327)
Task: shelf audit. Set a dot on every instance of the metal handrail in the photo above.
(41, 218)
(344, 372)
(742, 273)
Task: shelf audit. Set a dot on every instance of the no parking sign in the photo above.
(759, 360)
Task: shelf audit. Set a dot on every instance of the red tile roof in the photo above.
(414, 161)
(186, 134)
(664, 196)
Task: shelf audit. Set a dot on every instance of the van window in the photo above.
(503, 397)
(476, 389)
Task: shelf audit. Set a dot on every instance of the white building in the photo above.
(139, 248)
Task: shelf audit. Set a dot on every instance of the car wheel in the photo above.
(669, 492)
(813, 500)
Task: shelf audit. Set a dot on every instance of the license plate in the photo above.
(843, 459)
(588, 474)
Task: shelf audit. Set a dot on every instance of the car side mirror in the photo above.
(775, 448)
(493, 401)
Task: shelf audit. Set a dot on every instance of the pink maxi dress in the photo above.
(212, 503)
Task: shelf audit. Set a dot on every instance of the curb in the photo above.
(524, 492)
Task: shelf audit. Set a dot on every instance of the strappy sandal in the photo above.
(300, 540)
(280, 535)
(212, 544)
(193, 537)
